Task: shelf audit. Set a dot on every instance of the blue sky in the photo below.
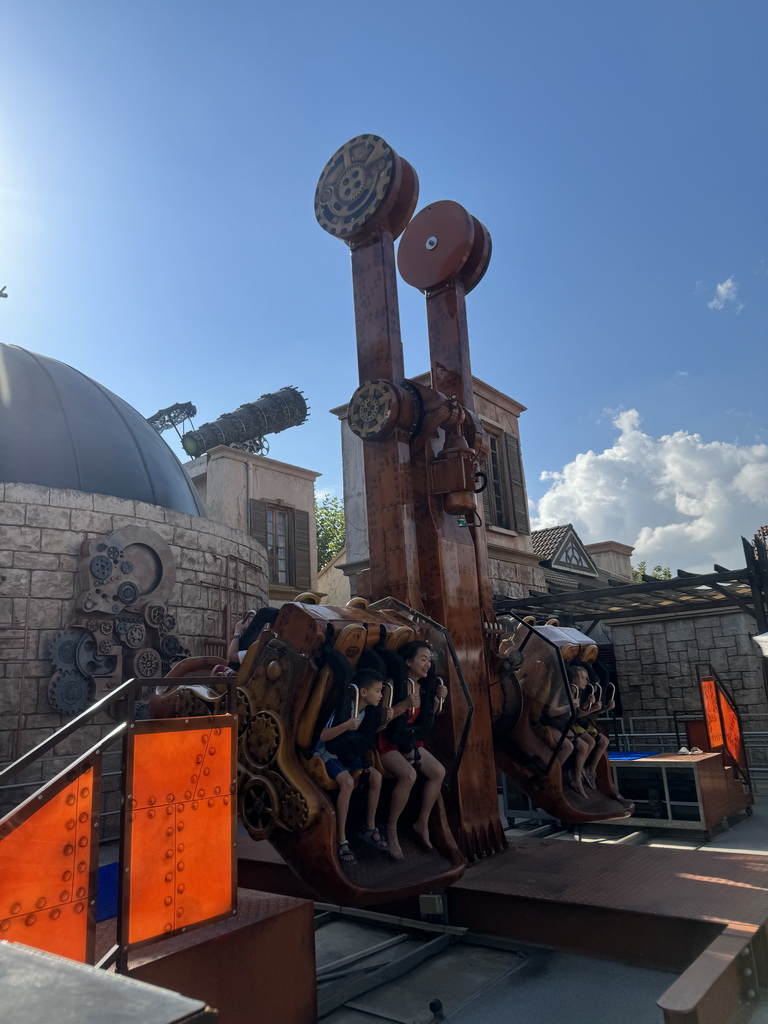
(158, 161)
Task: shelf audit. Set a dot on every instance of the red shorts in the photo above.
(385, 746)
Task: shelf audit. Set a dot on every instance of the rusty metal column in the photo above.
(365, 196)
(445, 252)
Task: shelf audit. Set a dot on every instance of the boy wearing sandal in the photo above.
(342, 748)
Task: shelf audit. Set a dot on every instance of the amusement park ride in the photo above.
(428, 578)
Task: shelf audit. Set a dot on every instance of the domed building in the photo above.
(59, 428)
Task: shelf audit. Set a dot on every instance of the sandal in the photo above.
(590, 777)
(374, 838)
(345, 854)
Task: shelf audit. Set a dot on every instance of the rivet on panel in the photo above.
(212, 751)
(69, 850)
(179, 808)
(64, 896)
(66, 876)
(217, 732)
(80, 892)
(217, 790)
(82, 866)
(180, 866)
(194, 805)
(169, 810)
(71, 823)
(180, 888)
(5, 925)
(84, 792)
(169, 927)
(204, 738)
(180, 912)
(168, 854)
(169, 877)
(188, 794)
(170, 798)
(15, 908)
(206, 771)
(180, 848)
(201, 792)
(226, 800)
(30, 919)
(211, 803)
(199, 759)
(70, 799)
(168, 901)
(150, 800)
(150, 814)
(82, 841)
(180, 827)
(54, 915)
(40, 903)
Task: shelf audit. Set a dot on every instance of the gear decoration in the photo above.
(64, 649)
(105, 627)
(263, 738)
(170, 646)
(88, 659)
(155, 614)
(69, 692)
(113, 553)
(258, 806)
(354, 184)
(104, 647)
(126, 568)
(188, 705)
(135, 635)
(101, 567)
(169, 623)
(147, 663)
(244, 710)
(294, 812)
(127, 592)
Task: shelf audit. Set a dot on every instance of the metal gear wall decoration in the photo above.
(122, 625)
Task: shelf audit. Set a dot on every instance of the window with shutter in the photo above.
(504, 500)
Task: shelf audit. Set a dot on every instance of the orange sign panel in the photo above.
(711, 712)
(180, 826)
(49, 863)
(733, 741)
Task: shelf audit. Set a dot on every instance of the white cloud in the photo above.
(727, 291)
(681, 501)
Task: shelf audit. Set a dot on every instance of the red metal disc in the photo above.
(477, 262)
(436, 245)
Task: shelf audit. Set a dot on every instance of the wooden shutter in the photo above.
(257, 520)
(519, 501)
(301, 561)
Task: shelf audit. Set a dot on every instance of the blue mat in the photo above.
(106, 896)
(630, 755)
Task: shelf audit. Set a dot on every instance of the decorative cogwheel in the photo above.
(69, 693)
(187, 704)
(105, 627)
(155, 614)
(244, 711)
(105, 647)
(134, 635)
(64, 649)
(258, 804)
(294, 811)
(113, 553)
(127, 592)
(373, 410)
(169, 623)
(147, 663)
(101, 567)
(263, 738)
(354, 184)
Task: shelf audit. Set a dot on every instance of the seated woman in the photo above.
(401, 745)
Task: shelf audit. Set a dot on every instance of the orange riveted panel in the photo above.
(733, 741)
(49, 865)
(711, 712)
(180, 826)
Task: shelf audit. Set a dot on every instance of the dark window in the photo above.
(284, 533)
(504, 499)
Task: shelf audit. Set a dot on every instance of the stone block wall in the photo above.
(656, 663)
(220, 572)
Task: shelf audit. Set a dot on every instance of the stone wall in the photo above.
(220, 572)
(656, 663)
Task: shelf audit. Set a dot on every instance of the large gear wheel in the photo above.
(263, 738)
(64, 650)
(170, 646)
(294, 812)
(258, 806)
(354, 184)
(155, 613)
(69, 693)
(127, 592)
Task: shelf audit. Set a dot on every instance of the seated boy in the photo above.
(343, 747)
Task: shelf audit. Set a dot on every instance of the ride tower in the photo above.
(423, 446)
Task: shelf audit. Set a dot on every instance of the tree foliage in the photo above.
(659, 572)
(329, 516)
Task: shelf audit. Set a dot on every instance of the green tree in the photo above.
(658, 572)
(329, 516)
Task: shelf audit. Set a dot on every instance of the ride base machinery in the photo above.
(428, 576)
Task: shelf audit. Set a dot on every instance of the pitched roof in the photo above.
(546, 542)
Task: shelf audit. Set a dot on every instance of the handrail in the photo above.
(12, 770)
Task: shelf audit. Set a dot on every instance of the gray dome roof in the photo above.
(59, 428)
